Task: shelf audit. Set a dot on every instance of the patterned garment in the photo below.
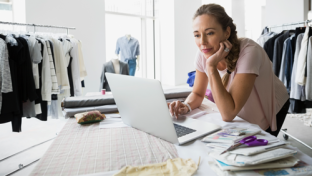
(5, 73)
(87, 149)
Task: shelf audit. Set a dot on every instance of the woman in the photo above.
(239, 72)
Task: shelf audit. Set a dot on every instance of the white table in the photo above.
(196, 149)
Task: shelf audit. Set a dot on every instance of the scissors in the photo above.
(249, 141)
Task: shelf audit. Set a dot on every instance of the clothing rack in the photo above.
(287, 135)
(37, 25)
(289, 24)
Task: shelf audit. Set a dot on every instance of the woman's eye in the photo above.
(210, 33)
(196, 36)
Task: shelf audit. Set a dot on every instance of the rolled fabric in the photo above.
(88, 101)
(177, 92)
(70, 112)
(99, 100)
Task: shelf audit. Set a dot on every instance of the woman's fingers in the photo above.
(171, 108)
(228, 47)
(177, 107)
(221, 49)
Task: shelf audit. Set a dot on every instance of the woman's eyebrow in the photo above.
(209, 28)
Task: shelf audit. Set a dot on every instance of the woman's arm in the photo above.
(194, 99)
(230, 103)
(199, 89)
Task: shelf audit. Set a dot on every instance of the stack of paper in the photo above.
(224, 136)
(245, 157)
(112, 121)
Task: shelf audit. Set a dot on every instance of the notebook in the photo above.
(224, 137)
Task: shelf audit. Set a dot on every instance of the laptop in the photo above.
(142, 105)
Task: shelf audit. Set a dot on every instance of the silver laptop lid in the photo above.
(142, 105)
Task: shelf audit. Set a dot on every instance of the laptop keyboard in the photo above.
(182, 130)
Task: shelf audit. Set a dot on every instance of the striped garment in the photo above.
(55, 88)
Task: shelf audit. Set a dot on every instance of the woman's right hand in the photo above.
(177, 108)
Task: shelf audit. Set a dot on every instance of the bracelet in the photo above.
(188, 106)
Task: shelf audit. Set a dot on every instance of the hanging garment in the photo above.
(55, 88)
(264, 38)
(82, 68)
(75, 68)
(5, 73)
(27, 80)
(35, 56)
(289, 63)
(301, 65)
(298, 31)
(128, 49)
(12, 107)
(29, 107)
(70, 77)
(282, 70)
(295, 89)
(43, 115)
(277, 54)
(53, 108)
(269, 46)
(308, 87)
(109, 67)
(60, 64)
(46, 89)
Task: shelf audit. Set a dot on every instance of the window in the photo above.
(6, 14)
(137, 18)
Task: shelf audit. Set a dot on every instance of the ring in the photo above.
(226, 50)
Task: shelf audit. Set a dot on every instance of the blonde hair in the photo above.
(219, 13)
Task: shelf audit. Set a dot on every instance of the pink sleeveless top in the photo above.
(268, 94)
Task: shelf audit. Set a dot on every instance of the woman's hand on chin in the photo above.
(223, 51)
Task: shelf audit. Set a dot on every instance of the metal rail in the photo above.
(37, 25)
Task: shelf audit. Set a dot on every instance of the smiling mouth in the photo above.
(206, 50)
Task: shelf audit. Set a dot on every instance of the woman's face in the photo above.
(208, 34)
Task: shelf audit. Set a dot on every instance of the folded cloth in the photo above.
(89, 117)
(172, 167)
(100, 100)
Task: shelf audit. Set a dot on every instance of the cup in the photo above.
(103, 91)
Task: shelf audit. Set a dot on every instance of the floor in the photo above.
(35, 131)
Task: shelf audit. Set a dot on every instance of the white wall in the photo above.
(279, 12)
(89, 19)
(238, 16)
(185, 48)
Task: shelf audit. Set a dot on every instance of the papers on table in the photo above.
(112, 121)
(245, 150)
(223, 137)
(241, 160)
(286, 162)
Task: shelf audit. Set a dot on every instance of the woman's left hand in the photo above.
(213, 60)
